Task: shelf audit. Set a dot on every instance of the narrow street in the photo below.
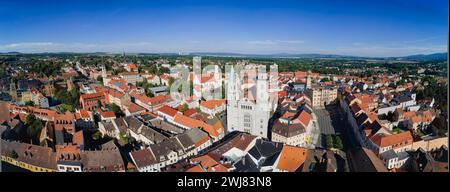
(331, 120)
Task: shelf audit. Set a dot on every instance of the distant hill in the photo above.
(422, 57)
(419, 57)
(278, 55)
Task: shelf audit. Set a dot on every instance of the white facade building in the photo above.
(246, 114)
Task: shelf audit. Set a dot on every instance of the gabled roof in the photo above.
(265, 149)
(304, 118)
(143, 158)
(97, 95)
(291, 158)
(383, 140)
(78, 138)
(168, 110)
(288, 130)
(133, 123)
(133, 108)
(355, 108)
(108, 159)
(152, 134)
(107, 114)
(362, 118)
(30, 154)
(196, 168)
(213, 103)
(209, 164)
(246, 164)
(190, 112)
(365, 160)
(240, 141)
(187, 121)
(165, 147)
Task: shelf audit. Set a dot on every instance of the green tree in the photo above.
(99, 104)
(171, 80)
(324, 79)
(184, 108)
(97, 135)
(153, 69)
(163, 70)
(338, 142)
(34, 127)
(100, 79)
(329, 141)
(117, 110)
(29, 103)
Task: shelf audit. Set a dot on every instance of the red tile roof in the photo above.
(210, 164)
(159, 99)
(213, 103)
(194, 123)
(401, 139)
(108, 114)
(196, 168)
(84, 113)
(291, 158)
(133, 108)
(190, 112)
(78, 138)
(168, 110)
(304, 118)
(187, 121)
(92, 95)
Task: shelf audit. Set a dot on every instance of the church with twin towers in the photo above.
(251, 98)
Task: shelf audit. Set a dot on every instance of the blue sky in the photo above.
(351, 27)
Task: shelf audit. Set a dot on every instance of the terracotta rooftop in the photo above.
(304, 118)
(168, 110)
(291, 158)
(209, 164)
(92, 95)
(190, 112)
(133, 108)
(108, 114)
(143, 158)
(213, 103)
(400, 139)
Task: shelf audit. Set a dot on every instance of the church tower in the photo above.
(13, 91)
(103, 71)
(308, 81)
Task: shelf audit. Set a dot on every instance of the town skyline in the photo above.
(224, 86)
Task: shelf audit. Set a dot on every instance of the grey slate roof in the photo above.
(164, 125)
(246, 164)
(109, 127)
(165, 147)
(133, 123)
(265, 149)
(107, 159)
(121, 124)
(190, 137)
(152, 135)
(390, 154)
(288, 130)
